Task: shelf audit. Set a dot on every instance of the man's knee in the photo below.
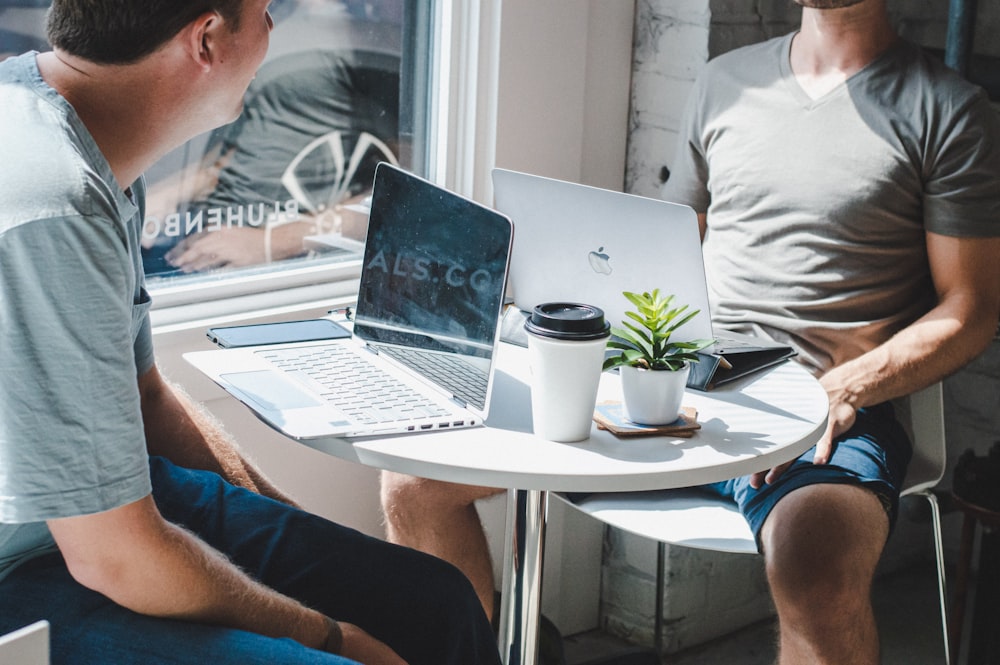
(410, 494)
(822, 543)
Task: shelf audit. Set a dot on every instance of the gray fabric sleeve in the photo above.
(71, 433)
(962, 191)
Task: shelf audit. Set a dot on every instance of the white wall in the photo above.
(562, 112)
(564, 89)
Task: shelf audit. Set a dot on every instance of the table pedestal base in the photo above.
(520, 605)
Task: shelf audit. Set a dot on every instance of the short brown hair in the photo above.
(119, 32)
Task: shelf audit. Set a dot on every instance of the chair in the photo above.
(691, 518)
(26, 646)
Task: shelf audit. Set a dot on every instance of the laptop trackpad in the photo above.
(270, 390)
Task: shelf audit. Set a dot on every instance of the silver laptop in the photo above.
(425, 330)
(27, 646)
(585, 244)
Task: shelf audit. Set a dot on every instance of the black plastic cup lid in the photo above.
(568, 320)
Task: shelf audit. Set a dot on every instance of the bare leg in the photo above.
(440, 518)
(821, 546)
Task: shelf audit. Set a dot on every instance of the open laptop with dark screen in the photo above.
(425, 327)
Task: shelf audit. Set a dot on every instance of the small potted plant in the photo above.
(653, 368)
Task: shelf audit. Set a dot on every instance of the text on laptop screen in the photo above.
(428, 281)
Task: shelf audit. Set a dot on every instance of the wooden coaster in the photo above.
(610, 416)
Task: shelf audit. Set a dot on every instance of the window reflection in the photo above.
(286, 182)
(277, 183)
(22, 26)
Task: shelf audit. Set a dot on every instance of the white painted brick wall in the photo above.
(671, 45)
(709, 594)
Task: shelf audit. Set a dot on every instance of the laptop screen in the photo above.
(434, 270)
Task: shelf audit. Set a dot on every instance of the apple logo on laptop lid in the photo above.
(600, 261)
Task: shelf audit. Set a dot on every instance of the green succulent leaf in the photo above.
(644, 336)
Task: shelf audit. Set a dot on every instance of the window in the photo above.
(276, 200)
(22, 26)
(286, 182)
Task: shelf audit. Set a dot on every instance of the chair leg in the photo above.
(939, 556)
(958, 603)
(661, 562)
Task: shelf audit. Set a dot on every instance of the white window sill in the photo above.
(219, 300)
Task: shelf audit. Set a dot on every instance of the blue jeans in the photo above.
(422, 607)
(874, 454)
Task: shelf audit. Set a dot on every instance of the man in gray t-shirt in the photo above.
(128, 519)
(847, 187)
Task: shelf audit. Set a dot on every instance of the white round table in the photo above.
(751, 425)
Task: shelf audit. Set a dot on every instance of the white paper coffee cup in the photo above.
(566, 343)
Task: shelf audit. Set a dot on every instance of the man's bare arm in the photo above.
(142, 562)
(180, 430)
(966, 274)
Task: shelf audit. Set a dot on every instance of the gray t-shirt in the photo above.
(296, 99)
(817, 209)
(74, 325)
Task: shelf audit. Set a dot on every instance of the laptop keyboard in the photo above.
(465, 381)
(354, 386)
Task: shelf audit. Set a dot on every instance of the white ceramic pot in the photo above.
(653, 397)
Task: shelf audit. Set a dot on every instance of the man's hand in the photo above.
(225, 248)
(842, 417)
(358, 645)
(238, 247)
(966, 276)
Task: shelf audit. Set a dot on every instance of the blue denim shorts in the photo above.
(873, 454)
